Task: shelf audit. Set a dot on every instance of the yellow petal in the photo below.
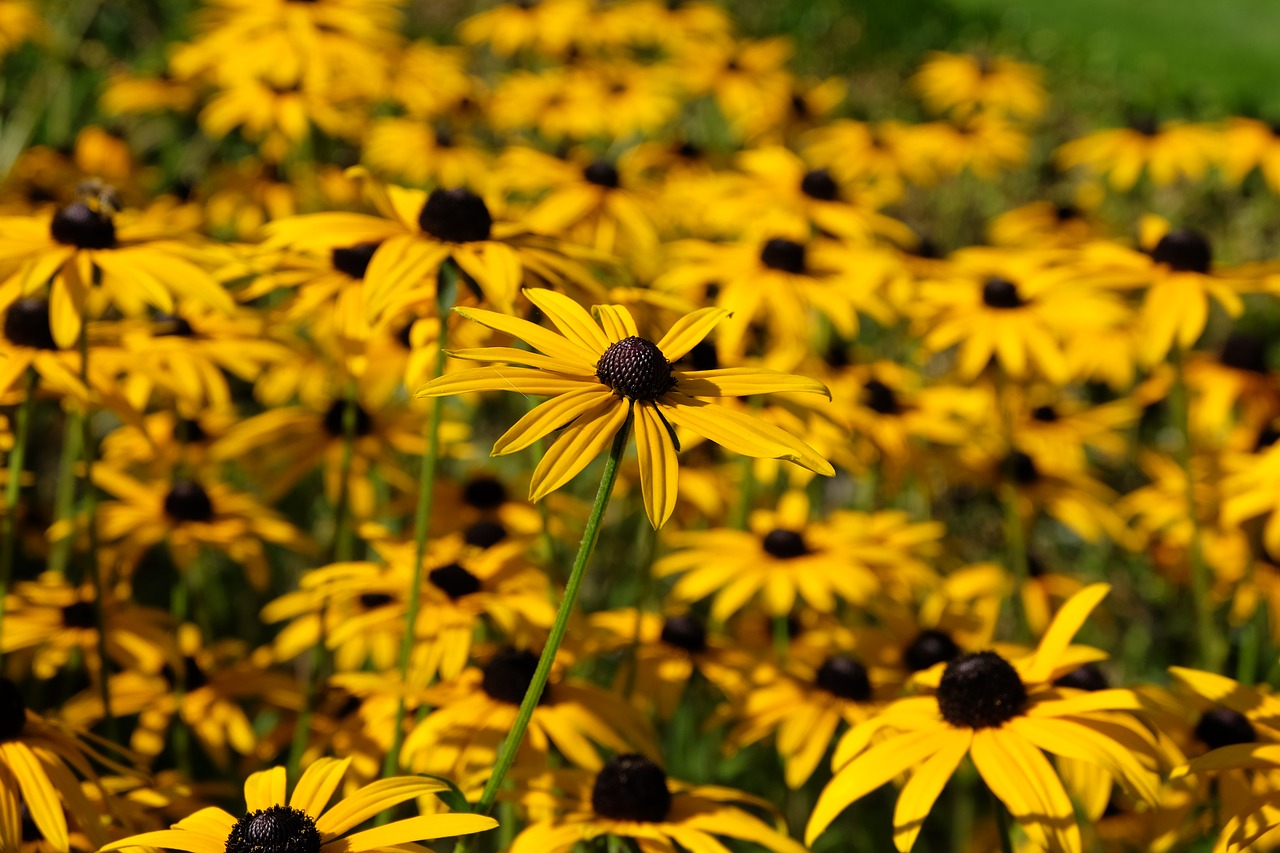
(318, 782)
(172, 839)
(37, 792)
(548, 417)
(577, 446)
(372, 799)
(521, 380)
(922, 790)
(543, 340)
(1024, 780)
(659, 466)
(1066, 623)
(264, 789)
(419, 828)
(687, 332)
(741, 433)
(741, 381)
(570, 318)
(617, 322)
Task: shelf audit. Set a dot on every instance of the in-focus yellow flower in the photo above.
(603, 375)
(306, 823)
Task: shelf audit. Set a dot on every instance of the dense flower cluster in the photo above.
(302, 429)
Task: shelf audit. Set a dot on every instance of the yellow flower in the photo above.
(1001, 714)
(1170, 152)
(964, 85)
(303, 824)
(601, 375)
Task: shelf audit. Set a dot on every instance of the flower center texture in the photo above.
(980, 691)
(508, 675)
(1184, 250)
(784, 256)
(844, 677)
(276, 829)
(999, 292)
(484, 493)
(818, 184)
(1224, 727)
(880, 398)
(188, 501)
(631, 787)
(636, 369)
(27, 324)
(456, 216)
(685, 632)
(484, 534)
(602, 174)
(454, 581)
(929, 648)
(354, 260)
(13, 711)
(334, 419)
(81, 226)
(785, 544)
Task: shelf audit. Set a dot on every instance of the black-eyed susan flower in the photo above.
(631, 797)
(1004, 715)
(1245, 144)
(601, 372)
(962, 85)
(306, 822)
(1169, 152)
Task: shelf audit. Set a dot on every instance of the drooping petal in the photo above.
(921, 791)
(37, 792)
(543, 340)
(659, 465)
(577, 446)
(741, 381)
(570, 318)
(550, 416)
(687, 332)
(741, 433)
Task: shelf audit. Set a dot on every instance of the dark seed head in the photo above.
(1025, 472)
(26, 324)
(374, 600)
(1184, 250)
(81, 226)
(456, 216)
(601, 173)
(1267, 437)
(13, 711)
(454, 581)
(79, 614)
(999, 292)
(1066, 213)
(484, 534)
(276, 829)
(1245, 351)
(930, 647)
(819, 184)
(354, 260)
(484, 493)
(1221, 727)
(508, 675)
(1044, 414)
(335, 417)
(188, 501)
(784, 544)
(1087, 677)
(193, 677)
(636, 369)
(783, 255)
(880, 398)
(980, 691)
(844, 677)
(685, 632)
(631, 787)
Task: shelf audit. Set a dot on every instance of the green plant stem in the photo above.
(1208, 643)
(446, 290)
(343, 544)
(179, 606)
(507, 754)
(13, 489)
(1004, 826)
(649, 542)
(1015, 535)
(93, 567)
(64, 500)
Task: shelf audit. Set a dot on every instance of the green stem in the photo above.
(64, 501)
(93, 568)
(507, 754)
(1005, 826)
(650, 543)
(179, 606)
(445, 293)
(13, 489)
(1207, 640)
(343, 545)
(746, 494)
(1015, 535)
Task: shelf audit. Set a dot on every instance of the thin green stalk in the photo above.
(13, 488)
(64, 500)
(1005, 826)
(781, 639)
(1015, 535)
(179, 606)
(1207, 641)
(649, 542)
(93, 567)
(445, 293)
(746, 494)
(343, 543)
(507, 754)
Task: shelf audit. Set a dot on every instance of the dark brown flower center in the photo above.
(81, 226)
(484, 533)
(454, 581)
(820, 185)
(26, 324)
(79, 614)
(456, 216)
(685, 632)
(601, 173)
(1184, 250)
(335, 419)
(880, 398)
(354, 260)
(1024, 469)
(484, 493)
(1221, 727)
(785, 544)
(1044, 414)
(784, 256)
(980, 691)
(842, 676)
(631, 787)
(1001, 293)
(193, 677)
(188, 501)
(13, 711)
(1245, 351)
(930, 647)
(636, 369)
(374, 600)
(276, 829)
(508, 675)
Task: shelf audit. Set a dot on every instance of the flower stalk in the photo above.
(13, 487)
